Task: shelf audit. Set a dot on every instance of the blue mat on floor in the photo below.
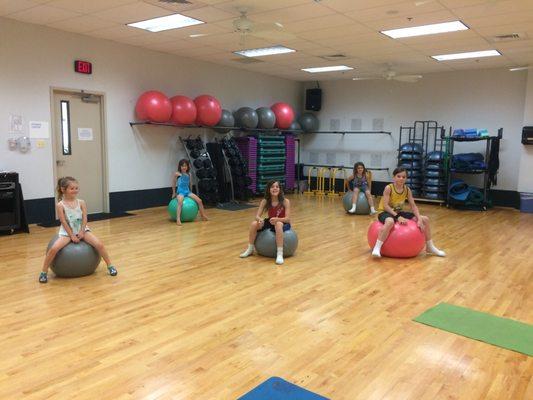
(278, 389)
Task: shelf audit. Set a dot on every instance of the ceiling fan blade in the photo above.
(366, 78)
(520, 68)
(407, 78)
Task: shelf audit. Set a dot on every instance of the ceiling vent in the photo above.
(509, 37)
(334, 57)
(246, 60)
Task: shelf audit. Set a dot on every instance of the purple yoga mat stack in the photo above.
(248, 147)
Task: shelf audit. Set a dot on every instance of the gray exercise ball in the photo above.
(265, 243)
(246, 117)
(75, 259)
(226, 119)
(295, 127)
(362, 206)
(308, 122)
(267, 118)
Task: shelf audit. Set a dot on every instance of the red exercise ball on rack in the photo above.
(284, 115)
(183, 110)
(208, 110)
(404, 241)
(153, 106)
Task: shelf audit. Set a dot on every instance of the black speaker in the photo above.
(313, 99)
(527, 135)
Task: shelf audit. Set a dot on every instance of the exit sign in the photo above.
(83, 67)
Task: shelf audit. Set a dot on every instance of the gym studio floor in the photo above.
(187, 319)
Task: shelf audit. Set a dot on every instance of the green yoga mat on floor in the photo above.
(502, 332)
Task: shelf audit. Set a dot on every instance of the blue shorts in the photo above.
(184, 194)
(268, 225)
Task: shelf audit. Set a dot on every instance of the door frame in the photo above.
(103, 128)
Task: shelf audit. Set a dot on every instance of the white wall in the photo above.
(525, 183)
(35, 58)
(465, 99)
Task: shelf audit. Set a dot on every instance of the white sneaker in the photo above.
(279, 259)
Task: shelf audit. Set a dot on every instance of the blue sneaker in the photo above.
(112, 270)
(43, 277)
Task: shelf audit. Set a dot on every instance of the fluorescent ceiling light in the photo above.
(470, 54)
(265, 51)
(426, 30)
(327, 69)
(165, 23)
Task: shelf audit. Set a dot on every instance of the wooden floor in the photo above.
(187, 319)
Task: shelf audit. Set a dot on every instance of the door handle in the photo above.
(60, 163)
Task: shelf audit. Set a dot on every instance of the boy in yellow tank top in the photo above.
(391, 209)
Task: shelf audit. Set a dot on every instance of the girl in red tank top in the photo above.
(278, 220)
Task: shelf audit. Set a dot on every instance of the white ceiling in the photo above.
(312, 28)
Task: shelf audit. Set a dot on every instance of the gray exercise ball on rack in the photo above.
(308, 122)
(246, 117)
(266, 118)
(226, 119)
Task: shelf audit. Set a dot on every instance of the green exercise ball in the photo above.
(189, 209)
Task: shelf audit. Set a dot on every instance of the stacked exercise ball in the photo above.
(183, 110)
(284, 115)
(226, 122)
(246, 118)
(404, 241)
(308, 122)
(153, 106)
(189, 209)
(208, 110)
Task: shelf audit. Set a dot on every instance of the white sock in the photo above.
(430, 248)
(248, 252)
(376, 252)
(352, 210)
(279, 257)
(372, 210)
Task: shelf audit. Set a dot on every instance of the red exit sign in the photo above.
(83, 67)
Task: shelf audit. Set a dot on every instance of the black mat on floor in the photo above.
(90, 218)
(235, 206)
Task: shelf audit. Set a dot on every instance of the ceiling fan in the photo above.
(389, 74)
(514, 69)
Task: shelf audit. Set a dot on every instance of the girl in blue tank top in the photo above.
(72, 213)
(181, 188)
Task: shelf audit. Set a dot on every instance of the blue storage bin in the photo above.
(526, 202)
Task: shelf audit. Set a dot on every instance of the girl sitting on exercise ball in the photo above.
(183, 179)
(360, 183)
(72, 213)
(391, 210)
(278, 220)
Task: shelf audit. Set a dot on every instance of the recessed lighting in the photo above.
(159, 24)
(327, 69)
(431, 29)
(265, 51)
(470, 54)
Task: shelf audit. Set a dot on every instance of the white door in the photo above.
(79, 145)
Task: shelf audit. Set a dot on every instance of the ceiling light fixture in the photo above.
(470, 54)
(421, 30)
(159, 24)
(314, 70)
(265, 51)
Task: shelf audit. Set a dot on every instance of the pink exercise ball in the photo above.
(404, 241)
(153, 106)
(183, 110)
(208, 110)
(284, 115)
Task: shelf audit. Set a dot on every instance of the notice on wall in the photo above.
(16, 123)
(39, 130)
(85, 134)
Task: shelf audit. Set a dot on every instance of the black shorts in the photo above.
(268, 225)
(384, 215)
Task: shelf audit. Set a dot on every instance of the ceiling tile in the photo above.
(132, 12)
(88, 6)
(420, 19)
(402, 10)
(351, 5)
(328, 21)
(11, 6)
(114, 33)
(82, 24)
(494, 8)
(296, 13)
(254, 6)
(43, 15)
(208, 14)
